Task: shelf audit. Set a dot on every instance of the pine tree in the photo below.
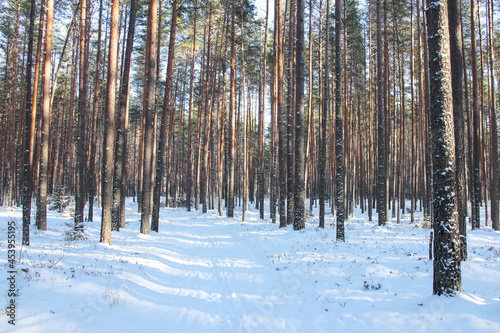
(108, 146)
(299, 186)
(447, 274)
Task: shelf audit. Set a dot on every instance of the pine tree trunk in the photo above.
(381, 112)
(119, 177)
(28, 134)
(300, 188)
(475, 182)
(95, 112)
(323, 121)
(108, 146)
(339, 129)
(287, 175)
(160, 165)
(231, 137)
(149, 117)
(189, 177)
(82, 104)
(456, 57)
(447, 275)
(41, 216)
(262, 186)
(493, 124)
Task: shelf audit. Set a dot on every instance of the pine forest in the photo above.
(249, 165)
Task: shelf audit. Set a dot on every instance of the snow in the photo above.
(205, 273)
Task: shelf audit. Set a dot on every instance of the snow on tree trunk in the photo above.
(300, 188)
(447, 273)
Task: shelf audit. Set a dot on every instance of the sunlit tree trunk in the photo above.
(41, 216)
(108, 146)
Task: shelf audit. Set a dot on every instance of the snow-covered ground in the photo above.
(205, 273)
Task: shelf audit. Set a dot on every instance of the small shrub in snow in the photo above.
(59, 200)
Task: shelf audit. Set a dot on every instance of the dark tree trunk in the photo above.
(230, 140)
(28, 133)
(323, 120)
(160, 166)
(381, 111)
(456, 58)
(286, 175)
(93, 144)
(80, 194)
(476, 181)
(119, 177)
(262, 186)
(300, 188)
(339, 129)
(447, 274)
(189, 177)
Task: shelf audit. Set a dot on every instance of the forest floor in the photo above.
(205, 273)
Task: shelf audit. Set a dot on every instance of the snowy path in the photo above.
(205, 273)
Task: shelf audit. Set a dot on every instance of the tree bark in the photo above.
(41, 216)
(160, 165)
(231, 125)
(456, 58)
(149, 118)
(28, 133)
(493, 124)
(323, 121)
(108, 146)
(447, 274)
(81, 189)
(262, 186)
(339, 129)
(95, 112)
(381, 112)
(300, 189)
(189, 177)
(475, 182)
(119, 177)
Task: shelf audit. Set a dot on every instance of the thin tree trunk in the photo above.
(41, 216)
(119, 178)
(92, 173)
(262, 186)
(300, 189)
(28, 133)
(381, 111)
(189, 178)
(456, 57)
(149, 117)
(476, 182)
(323, 121)
(339, 129)
(493, 124)
(231, 137)
(287, 175)
(160, 166)
(82, 104)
